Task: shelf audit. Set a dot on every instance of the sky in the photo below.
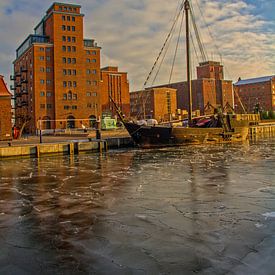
(239, 33)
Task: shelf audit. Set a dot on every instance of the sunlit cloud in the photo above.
(131, 34)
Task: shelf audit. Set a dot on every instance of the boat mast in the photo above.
(189, 88)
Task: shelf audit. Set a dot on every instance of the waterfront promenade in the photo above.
(33, 140)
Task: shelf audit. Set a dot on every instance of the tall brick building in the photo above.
(209, 88)
(5, 111)
(255, 91)
(57, 72)
(157, 103)
(116, 84)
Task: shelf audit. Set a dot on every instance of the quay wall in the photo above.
(64, 148)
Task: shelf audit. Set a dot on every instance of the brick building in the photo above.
(255, 91)
(209, 88)
(5, 111)
(57, 72)
(157, 103)
(116, 84)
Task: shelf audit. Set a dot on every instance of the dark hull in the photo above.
(159, 136)
(150, 136)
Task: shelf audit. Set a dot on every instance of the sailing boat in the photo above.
(218, 130)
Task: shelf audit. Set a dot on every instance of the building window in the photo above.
(65, 96)
(88, 94)
(88, 60)
(42, 93)
(64, 38)
(94, 52)
(68, 28)
(73, 60)
(48, 69)
(73, 28)
(64, 72)
(64, 48)
(68, 38)
(89, 105)
(94, 93)
(63, 18)
(69, 60)
(49, 81)
(48, 58)
(73, 39)
(74, 96)
(73, 48)
(94, 82)
(66, 107)
(94, 60)
(69, 48)
(69, 95)
(41, 49)
(69, 83)
(88, 71)
(93, 71)
(64, 84)
(49, 94)
(74, 84)
(74, 107)
(73, 18)
(74, 72)
(41, 57)
(42, 106)
(49, 106)
(42, 69)
(88, 52)
(68, 18)
(63, 27)
(42, 81)
(69, 72)
(89, 82)
(64, 60)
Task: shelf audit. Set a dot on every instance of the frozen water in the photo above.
(199, 209)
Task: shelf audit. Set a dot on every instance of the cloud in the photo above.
(131, 34)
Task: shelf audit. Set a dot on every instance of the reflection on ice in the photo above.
(193, 209)
(269, 215)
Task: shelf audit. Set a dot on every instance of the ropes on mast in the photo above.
(176, 49)
(197, 34)
(165, 43)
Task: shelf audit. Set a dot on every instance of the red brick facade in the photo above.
(157, 103)
(57, 72)
(5, 111)
(256, 91)
(209, 89)
(116, 84)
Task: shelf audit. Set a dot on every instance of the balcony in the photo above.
(23, 69)
(24, 92)
(24, 81)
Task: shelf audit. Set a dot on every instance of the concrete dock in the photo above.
(70, 145)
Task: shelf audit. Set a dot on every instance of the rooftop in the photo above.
(3, 88)
(254, 80)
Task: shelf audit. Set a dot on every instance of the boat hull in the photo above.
(160, 136)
